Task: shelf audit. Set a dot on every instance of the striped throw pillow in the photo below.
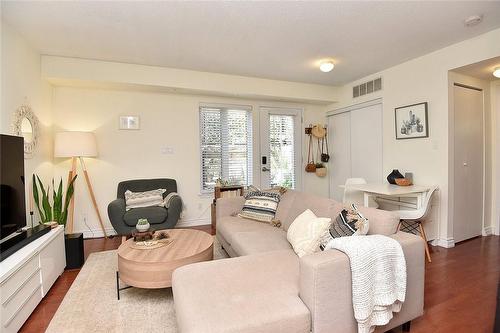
(350, 222)
(260, 206)
(144, 199)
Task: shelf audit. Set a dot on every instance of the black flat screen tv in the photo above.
(12, 196)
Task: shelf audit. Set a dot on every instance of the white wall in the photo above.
(21, 83)
(424, 79)
(166, 120)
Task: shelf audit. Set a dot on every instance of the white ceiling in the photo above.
(482, 70)
(277, 40)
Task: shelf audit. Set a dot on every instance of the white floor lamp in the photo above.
(77, 145)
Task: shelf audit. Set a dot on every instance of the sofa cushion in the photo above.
(260, 206)
(306, 231)
(155, 215)
(252, 242)
(382, 222)
(144, 199)
(257, 293)
(320, 206)
(348, 223)
(284, 206)
(227, 226)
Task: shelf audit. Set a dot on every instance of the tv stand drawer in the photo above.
(11, 285)
(18, 300)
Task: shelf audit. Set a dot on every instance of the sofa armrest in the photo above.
(229, 206)
(174, 211)
(325, 287)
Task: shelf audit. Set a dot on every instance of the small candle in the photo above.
(31, 197)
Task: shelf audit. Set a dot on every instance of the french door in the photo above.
(280, 147)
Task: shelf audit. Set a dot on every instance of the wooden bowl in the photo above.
(402, 181)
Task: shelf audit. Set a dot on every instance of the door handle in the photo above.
(265, 169)
(465, 164)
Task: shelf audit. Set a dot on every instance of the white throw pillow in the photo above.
(144, 199)
(304, 234)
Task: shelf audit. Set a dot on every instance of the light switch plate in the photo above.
(167, 150)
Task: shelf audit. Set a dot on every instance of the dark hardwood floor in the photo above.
(460, 288)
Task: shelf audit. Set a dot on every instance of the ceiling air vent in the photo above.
(367, 88)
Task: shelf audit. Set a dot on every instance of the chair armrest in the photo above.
(174, 211)
(229, 206)
(326, 287)
(116, 210)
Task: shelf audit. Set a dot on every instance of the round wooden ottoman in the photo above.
(152, 268)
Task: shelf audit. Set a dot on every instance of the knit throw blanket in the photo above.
(378, 269)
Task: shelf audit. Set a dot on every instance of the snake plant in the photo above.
(58, 210)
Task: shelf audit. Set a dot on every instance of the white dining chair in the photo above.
(355, 196)
(411, 220)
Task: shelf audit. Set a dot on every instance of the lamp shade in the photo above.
(75, 144)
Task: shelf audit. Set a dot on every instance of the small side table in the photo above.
(224, 192)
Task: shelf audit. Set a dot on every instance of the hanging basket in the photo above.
(321, 172)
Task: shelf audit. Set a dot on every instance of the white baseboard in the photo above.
(489, 230)
(183, 223)
(444, 242)
(96, 233)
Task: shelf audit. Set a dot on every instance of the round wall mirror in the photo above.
(25, 124)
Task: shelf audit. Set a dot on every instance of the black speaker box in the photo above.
(74, 250)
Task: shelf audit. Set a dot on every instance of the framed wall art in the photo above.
(411, 121)
(130, 123)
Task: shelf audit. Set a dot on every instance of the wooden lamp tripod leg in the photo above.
(92, 196)
(71, 213)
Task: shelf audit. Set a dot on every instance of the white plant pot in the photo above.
(142, 227)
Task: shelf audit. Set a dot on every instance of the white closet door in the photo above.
(366, 143)
(355, 138)
(468, 163)
(340, 151)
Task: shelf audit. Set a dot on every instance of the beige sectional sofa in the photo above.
(266, 287)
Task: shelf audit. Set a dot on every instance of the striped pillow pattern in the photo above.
(260, 206)
(348, 223)
(144, 199)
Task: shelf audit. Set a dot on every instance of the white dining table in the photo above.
(391, 194)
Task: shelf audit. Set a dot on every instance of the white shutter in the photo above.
(226, 146)
(210, 147)
(282, 151)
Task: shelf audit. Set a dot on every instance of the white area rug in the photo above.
(91, 304)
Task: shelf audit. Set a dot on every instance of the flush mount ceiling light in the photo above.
(496, 72)
(326, 66)
(473, 20)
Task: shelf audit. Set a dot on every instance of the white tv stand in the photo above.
(27, 275)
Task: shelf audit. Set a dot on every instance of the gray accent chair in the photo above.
(124, 221)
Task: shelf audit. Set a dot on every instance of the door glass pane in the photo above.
(282, 150)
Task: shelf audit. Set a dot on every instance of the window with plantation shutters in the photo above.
(225, 145)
